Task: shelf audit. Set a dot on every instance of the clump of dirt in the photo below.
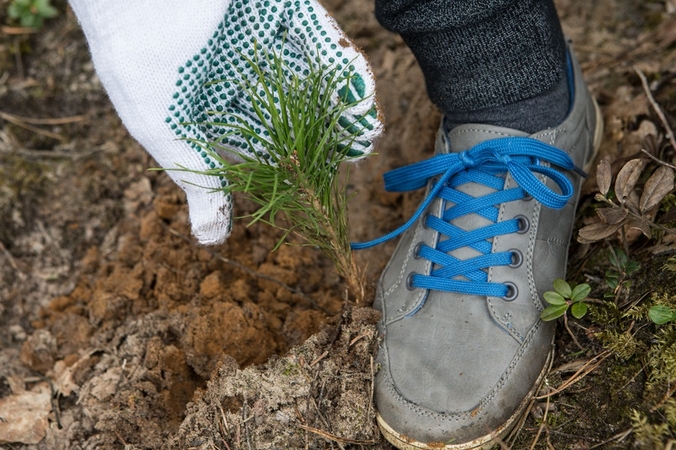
(162, 312)
(320, 392)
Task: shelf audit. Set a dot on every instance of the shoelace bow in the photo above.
(484, 163)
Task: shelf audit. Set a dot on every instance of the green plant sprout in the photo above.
(661, 314)
(617, 276)
(297, 176)
(31, 13)
(564, 297)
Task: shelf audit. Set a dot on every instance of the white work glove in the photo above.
(158, 61)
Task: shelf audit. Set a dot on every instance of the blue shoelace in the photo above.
(486, 164)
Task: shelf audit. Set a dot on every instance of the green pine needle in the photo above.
(298, 177)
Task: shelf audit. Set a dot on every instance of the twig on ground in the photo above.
(570, 436)
(246, 426)
(250, 272)
(666, 397)
(334, 438)
(319, 358)
(618, 437)
(657, 160)
(514, 434)
(48, 121)
(631, 380)
(56, 408)
(502, 444)
(656, 107)
(18, 30)
(223, 425)
(589, 366)
(373, 377)
(225, 420)
(10, 258)
(570, 332)
(53, 154)
(20, 123)
(542, 425)
(323, 419)
(354, 341)
(119, 436)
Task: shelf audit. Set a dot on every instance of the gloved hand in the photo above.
(158, 60)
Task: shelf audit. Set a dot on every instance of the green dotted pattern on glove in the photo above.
(210, 83)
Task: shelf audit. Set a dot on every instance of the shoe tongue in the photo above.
(464, 137)
(461, 138)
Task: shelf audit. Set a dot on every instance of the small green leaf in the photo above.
(14, 11)
(622, 257)
(562, 287)
(553, 312)
(612, 283)
(632, 266)
(31, 13)
(554, 298)
(578, 310)
(661, 314)
(580, 292)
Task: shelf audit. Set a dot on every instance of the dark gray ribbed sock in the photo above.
(546, 110)
(501, 62)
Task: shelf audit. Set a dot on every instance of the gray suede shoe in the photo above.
(463, 348)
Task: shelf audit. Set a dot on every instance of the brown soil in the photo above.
(148, 340)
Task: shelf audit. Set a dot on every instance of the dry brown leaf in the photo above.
(612, 216)
(646, 128)
(652, 144)
(104, 386)
(64, 382)
(631, 202)
(596, 232)
(627, 178)
(667, 245)
(640, 224)
(656, 188)
(25, 415)
(604, 176)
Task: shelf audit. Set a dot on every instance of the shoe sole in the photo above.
(403, 442)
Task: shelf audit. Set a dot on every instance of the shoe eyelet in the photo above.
(409, 282)
(517, 258)
(512, 292)
(527, 197)
(416, 250)
(424, 222)
(524, 224)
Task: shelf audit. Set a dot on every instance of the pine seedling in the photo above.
(296, 176)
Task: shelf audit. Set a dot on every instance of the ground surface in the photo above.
(126, 334)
